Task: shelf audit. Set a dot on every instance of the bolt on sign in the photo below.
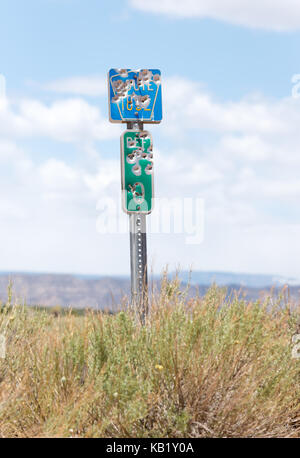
(137, 171)
(135, 95)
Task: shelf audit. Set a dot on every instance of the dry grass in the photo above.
(207, 367)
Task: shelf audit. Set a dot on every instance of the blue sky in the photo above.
(49, 39)
(229, 134)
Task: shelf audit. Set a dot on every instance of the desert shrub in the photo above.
(203, 367)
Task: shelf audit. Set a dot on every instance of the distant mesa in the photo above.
(107, 292)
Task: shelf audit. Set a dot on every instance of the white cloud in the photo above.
(266, 14)
(57, 176)
(248, 147)
(48, 213)
(79, 85)
(68, 120)
(249, 163)
(104, 178)
(245, 168)
(188, 103)
(8, 150)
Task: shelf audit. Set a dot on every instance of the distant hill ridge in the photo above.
(241, 279)
(106, 292)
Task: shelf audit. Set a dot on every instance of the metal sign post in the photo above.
(135, 98)
(138, 264)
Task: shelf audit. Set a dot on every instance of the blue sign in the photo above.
(134, 95)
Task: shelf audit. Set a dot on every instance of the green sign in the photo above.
(137, 171)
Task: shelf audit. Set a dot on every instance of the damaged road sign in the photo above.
(137, 171)
(135, 95)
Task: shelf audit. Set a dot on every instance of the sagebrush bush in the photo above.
(203, 367)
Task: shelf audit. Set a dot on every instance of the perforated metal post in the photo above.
(138, 263)
(138, 256)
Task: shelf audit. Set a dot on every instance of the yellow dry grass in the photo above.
(204, 367)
